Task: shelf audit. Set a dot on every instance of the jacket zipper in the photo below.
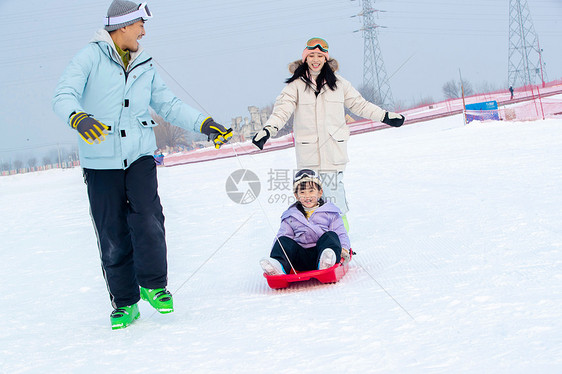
(122, 67)
(134, 67)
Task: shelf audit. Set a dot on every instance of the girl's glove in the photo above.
(90, 129)
(393, 119)
(216, 133)
(345, 255)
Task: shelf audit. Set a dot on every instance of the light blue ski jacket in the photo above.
(96, 82)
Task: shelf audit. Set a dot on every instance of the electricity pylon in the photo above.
(525, 57)
(375, 81)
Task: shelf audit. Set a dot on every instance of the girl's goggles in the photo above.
(317, 43)
(141, 12)
(304, 173)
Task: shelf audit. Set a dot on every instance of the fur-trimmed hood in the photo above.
(333, 63)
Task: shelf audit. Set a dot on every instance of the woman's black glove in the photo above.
(393, 119)
(263, 136)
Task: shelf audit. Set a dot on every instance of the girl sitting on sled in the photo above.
(312, 233)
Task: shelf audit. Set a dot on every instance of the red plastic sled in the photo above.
(330, 275)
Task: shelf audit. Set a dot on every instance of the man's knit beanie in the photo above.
(120, 8)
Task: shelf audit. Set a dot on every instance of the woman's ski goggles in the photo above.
(317, 43)
(141, 12)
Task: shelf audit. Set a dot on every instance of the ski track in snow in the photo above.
(458, 237)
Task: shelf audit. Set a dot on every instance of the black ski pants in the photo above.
(129, 223)
(304, 259)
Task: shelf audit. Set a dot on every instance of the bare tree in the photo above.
(487, 87)
(168, 135)
(173, 136)
(452, 89)
(32, 162)
(424, 101)
(467, 87)
(18, 164)
(367, 91)
(400, 105)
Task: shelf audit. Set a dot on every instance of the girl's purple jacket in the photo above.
(307, 232)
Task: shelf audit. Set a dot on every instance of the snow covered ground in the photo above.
(458, 231)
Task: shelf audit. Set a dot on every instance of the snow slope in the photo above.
(457, 228)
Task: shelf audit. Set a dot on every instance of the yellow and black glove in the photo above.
(90, 129)
(218, 134)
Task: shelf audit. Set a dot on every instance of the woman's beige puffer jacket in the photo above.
(319, 126)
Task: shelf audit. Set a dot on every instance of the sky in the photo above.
(223, 56)
(458, 266)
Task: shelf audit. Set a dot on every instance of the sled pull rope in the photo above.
(179, 84)
(209, 258)
(385, 291)
(237, 158)
(266, 218)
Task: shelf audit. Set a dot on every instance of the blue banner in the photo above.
(487, 110)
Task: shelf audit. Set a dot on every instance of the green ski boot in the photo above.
(345, 223)
(159, 298)
(124, 316)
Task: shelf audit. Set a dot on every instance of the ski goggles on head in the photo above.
(301, 174)
(317, 43)
(305, 175)
(142, 12)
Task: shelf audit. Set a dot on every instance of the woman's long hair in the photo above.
(326, 76)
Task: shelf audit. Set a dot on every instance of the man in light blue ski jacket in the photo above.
(96, 82)
(105, 94)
